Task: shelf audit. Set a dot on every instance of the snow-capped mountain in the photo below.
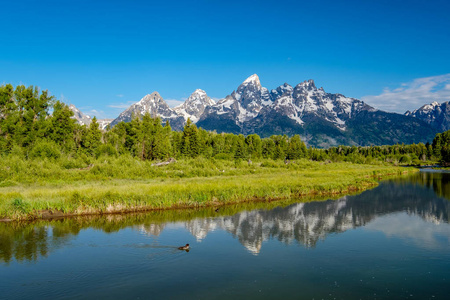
(81, 118)
(194, 106)
(322, 119)
(435, 114)
(152, 103)
(237, 109)
(103, 123)
(299, 104)
(84, 119)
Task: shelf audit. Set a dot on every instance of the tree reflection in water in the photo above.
(305, 222)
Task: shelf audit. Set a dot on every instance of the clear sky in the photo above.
(104, 55)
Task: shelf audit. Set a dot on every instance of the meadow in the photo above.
(31, 189)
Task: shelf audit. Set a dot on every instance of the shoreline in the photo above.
(117, 197)
(57, 214)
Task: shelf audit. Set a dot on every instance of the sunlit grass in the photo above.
(126, 184)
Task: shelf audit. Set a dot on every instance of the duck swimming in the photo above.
(186, 247)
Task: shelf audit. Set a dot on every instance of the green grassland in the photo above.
(29, 188)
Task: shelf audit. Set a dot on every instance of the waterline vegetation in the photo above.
(186, 184)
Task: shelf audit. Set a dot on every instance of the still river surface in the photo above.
(391, 242)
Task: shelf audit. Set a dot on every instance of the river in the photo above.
(390, 242)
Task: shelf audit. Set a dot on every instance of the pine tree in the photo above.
(268, 148)
(254, 145)
(296, 148)
(62, 126)
(93, 138)
(189, 140)
(241, 151)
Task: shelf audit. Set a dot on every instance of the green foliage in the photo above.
(27, 130)
(62, 126)
(441, 146)
(45, 149)
(190, 140)
(296, 149)
(254, 146)
(93, 137)
(82, 183)
(19, 205)
(106, 149)
(240, 152)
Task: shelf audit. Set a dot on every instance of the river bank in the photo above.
(84, 192)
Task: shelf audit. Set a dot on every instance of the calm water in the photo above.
(392, 242)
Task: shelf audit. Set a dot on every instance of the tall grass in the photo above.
(126, 184)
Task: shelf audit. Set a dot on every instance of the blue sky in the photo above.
(104, 55)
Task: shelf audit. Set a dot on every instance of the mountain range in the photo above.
(322, 119)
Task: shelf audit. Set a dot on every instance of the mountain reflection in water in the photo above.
(304, 223)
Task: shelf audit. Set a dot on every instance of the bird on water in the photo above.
(186, 247)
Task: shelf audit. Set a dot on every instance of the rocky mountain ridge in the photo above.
(437, 115)
(83, 119)
(322, 119)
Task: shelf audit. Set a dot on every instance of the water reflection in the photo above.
(304, 223)
(422, 234)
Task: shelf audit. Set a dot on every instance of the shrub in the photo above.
(45, 149)
(106, 149)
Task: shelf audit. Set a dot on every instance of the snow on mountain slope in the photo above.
(322, 119)
(152, 103)
(194, 106)
(435, 114)
(251, 100)
(81, 118)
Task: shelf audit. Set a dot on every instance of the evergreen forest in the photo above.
(34, 125)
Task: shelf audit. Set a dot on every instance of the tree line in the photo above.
(36, 125)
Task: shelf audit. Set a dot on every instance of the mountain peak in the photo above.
(194, 106)
(81, 118)
(308, 84)
(198, 97)
(154, 97)
(428, 107)
(199, 91)
(249, 86)
(253, 78)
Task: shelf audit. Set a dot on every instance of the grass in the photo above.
(124, 184)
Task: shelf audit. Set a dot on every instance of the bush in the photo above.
(271, 164)
(45, 149)
(17, 151)
(106, 149)
(405, 159)
(225, 156)
(71, 163)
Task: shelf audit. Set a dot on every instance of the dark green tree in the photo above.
(190, 140)
(296, 148)
(62, 126)
(254, 145)
(93, 138)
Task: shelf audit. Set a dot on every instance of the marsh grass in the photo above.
(126, 184)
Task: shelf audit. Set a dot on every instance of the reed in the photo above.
(125, 184)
